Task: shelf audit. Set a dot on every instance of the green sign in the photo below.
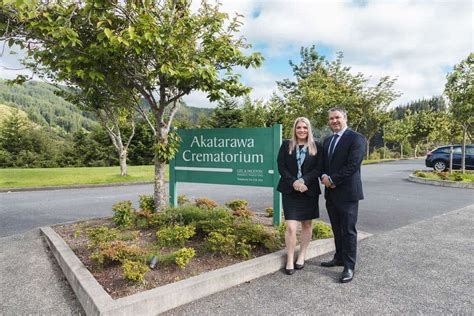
(237, 156)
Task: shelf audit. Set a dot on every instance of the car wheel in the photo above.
(439, 165)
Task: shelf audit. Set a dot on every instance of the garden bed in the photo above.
(110, 277)
(118, 254)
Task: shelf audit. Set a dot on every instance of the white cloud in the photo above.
(415, 41)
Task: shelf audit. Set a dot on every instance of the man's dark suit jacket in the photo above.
(344, 167)
(288, 169)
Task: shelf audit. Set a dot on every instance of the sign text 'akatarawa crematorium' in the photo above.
(236, 156)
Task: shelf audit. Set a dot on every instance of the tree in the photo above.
(399, 131)
(460, 91)
(320, 85)
(254, 114)
(227, 114)
(110, 107)
(161, 49)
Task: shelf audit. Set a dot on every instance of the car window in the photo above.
(444, 150)
(457, 150)
(470, 150)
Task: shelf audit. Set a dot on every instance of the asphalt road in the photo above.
(391, 201)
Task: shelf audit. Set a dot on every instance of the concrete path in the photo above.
(425, 267)
(31, 282)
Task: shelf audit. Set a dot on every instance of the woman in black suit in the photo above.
(299, 164)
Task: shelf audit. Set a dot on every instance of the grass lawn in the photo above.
(41, 177)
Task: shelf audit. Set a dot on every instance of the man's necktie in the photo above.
(332, 145)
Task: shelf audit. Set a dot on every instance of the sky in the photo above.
(417, 42)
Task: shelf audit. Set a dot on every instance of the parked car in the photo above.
(438, 159)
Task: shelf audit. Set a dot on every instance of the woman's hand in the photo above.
(299, 185)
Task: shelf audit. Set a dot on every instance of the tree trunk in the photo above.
(368, 148)
(416, 147)
(160, 191)
(123, 163)
(463, 158)
(401, 150)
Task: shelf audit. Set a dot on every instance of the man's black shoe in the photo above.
(346, 275)
(332, 263)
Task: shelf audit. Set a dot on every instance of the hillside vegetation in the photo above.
(40, 129)
(45, 108)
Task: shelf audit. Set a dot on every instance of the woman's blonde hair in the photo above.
(312, 150)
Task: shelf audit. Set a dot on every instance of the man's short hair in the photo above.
(343, 111)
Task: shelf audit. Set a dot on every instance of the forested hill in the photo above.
(47, 109)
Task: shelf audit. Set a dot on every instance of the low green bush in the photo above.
(100, 234)
(443, 175)
(458, 177)
(147, 202)
(192, 214)
(117, 251)
(175, 236)
(205, 203)
(220, 243)
(256, 235)
(420, 174)
(321, 230)
(269, 211)
(123, 213)
(183, 256)
(134, 271)
(237, 204)
(183, 199)
(129, 235)
(142, 218)
(243, 212)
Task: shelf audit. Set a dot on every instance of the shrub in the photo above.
(243, 249)
(183, 256)
(205, 203)
(134, 271)
(269, 211)
(167, 258)
(191, 214)
(129, 235)
(281, 231)
(321, 230)
(420, 174)
(219, 243)
(375, 155)
(182, 199)
(255, 234)
(458, 177)
(443, 175)
(237, 204)
(117, 251)
(147, 202)
(142, 218)
(100, 234)
(243, 212)
(175, 235)
(123, 213)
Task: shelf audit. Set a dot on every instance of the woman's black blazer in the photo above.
(288, 169)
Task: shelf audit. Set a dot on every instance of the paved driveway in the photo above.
(391, 201)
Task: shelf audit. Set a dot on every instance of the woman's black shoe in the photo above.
(299, 266)
(289, 271)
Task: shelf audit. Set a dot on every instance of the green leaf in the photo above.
(108, 33)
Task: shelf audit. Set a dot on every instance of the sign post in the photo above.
(235, 156)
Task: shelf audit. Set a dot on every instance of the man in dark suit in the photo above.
(342, 156)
